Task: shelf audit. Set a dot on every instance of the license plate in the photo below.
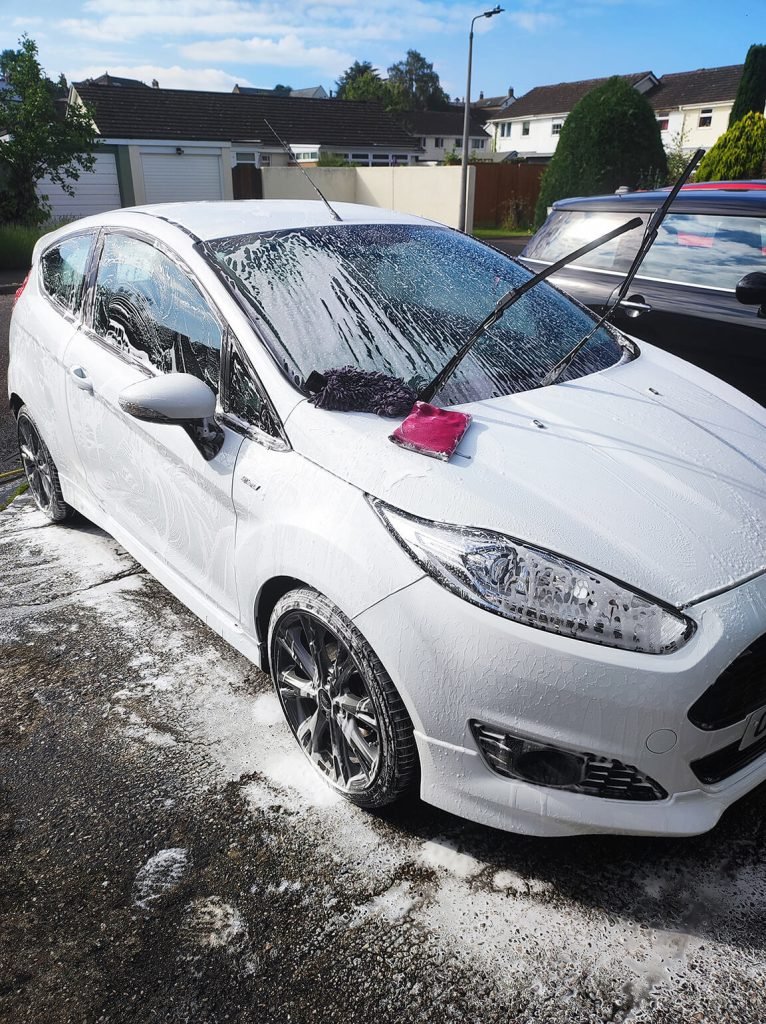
(755, 729)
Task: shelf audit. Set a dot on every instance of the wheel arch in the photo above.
(271, 591)
(15, 402)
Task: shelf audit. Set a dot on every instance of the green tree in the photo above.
(417, 85)
(350, 75)
(282, 90)
(751, 94)
(41, 139)
(369, 86)
(611, 138)
(739, 153)
(332, 160)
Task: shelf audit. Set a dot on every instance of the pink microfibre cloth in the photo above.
(431, 431)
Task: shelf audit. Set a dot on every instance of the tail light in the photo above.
(19, 290)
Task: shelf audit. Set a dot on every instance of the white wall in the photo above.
(540, 139)
(432, 192)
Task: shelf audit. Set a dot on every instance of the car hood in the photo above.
(652, 472)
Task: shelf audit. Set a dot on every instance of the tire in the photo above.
(339, 701)
(40, 469)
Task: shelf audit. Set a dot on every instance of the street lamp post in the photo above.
(467, 116)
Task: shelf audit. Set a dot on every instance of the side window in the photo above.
(245, 398)
(149, 308)
(63, 270)
(707, 250)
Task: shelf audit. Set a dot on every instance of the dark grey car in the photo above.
(683, 298)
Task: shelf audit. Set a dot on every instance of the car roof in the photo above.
(223, 218)
(711, 201)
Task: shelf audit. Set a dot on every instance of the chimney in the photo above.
(155, 84)
(481, 95)
(510, 92)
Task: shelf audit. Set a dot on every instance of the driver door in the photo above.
(148, 316)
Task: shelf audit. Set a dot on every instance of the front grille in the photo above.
(599, 776)
(740, 689)
(725, 762)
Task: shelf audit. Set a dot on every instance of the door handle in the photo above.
(634, 306)
(80, 379)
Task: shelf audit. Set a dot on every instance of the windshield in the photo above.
(400, 299)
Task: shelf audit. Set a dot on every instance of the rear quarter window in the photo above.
(62, 271)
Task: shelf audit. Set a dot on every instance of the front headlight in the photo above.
(536, 587)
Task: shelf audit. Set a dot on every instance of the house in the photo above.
(313, 92)
(161, 145)
(115, 81)
(487, 107)
(531, 126)
(441, 132)
(692, 108)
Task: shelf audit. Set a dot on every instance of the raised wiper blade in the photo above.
(652, 229)
(432, 389)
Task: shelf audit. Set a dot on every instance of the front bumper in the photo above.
(453, 662)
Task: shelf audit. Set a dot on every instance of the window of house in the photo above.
(360, 158)
(149, 309)
(245, 157)
(525, 127)
(556, 127)
(706, 117)
(439, 142)
(663, 123)
(505, 129)
(458, 143)
(265, 159)
(63, 270)
(424, 142)
(244, 397)
(477, 143)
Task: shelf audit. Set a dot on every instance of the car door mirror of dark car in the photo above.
(751, 291)
(177, 399)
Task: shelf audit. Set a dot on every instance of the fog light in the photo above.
(514, 757)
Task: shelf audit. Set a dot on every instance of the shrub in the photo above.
(739, 153)
(611, 138)
(751, 94)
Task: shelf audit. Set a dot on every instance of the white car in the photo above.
(561, 630)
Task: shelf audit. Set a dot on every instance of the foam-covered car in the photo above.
(559, 630)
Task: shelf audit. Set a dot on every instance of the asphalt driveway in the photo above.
(167, 856)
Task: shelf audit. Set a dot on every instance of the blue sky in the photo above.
(211, 44)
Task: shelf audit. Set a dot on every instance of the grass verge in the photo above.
(500, 233)
(21, 489)
(18, 240)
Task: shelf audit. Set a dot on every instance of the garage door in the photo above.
(173, 178)
(94, 191)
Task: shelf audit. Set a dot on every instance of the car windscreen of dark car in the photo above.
(400, 299)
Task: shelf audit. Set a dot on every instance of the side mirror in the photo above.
(751, 291)
(179, 399)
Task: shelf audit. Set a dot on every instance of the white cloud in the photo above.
(533, 21)
(175, 77)
(288, 52)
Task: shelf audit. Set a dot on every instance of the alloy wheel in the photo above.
(326, 701)
(37, 465)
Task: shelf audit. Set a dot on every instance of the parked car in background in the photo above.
(684, 295)
(561, 630)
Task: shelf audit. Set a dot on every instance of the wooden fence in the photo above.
(506, 194)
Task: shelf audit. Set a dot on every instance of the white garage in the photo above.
(95, 191)
(171, 176)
